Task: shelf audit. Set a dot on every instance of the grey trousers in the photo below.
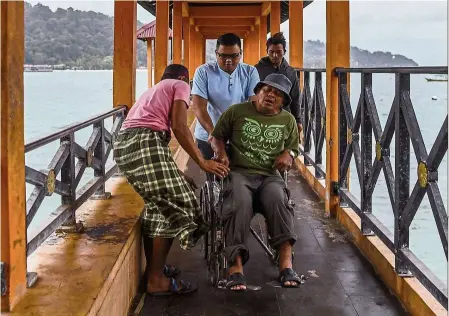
(246, 194)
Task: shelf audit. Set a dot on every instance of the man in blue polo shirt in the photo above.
(218, 85)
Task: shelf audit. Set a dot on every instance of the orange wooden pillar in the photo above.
(192, 49)
(275, 17)
(150, 61)
(13, 211)
(161, 40)
(198, 45)
(203, 48)
(337, 55)
(124, 74)
(296, 37)
(263, 36)
(186, 40)
(256, 43)
(252, 48)
(177, 32)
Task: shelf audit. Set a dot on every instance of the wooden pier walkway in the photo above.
(340, 281)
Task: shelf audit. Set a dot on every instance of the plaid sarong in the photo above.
(171, 208)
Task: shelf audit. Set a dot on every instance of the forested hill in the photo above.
(71, 37)
(85, 39)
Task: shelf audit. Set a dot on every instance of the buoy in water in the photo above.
(434, 98)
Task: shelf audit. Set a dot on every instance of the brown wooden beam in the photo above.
(224, 22)
(266, 8)
(296, 36)
(224, 29)
(215, 35)
(275, 17)
(13, 210)
(337, 55)
(185, 9)
(247, 11)
(263, 35)
(186, 39)
(124, 74)
(161, 41)
(177, 32)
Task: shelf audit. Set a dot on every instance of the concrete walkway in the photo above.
(340, 281)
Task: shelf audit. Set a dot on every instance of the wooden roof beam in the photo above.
(228, 11)
(185, 9)
(266, 8)
(215, 34)
(224, 22)
(224, 29)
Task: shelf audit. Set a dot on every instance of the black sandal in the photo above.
(186, 287)
(171, 271)
(234, 280)
(289, 275)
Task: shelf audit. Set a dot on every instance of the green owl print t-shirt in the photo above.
(256, 139)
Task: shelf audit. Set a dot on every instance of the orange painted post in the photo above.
(256, 40)
(150, 61)
(198, 44)
(296, 35)
(275, 17)
(337, 55)
(177, 32)
(186, 40)
(263, 36)
(203, 52)
(124, 73)
(161, 40)
(192, 49)
(13, 210)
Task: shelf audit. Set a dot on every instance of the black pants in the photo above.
(246, 194)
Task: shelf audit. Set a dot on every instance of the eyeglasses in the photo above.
(228, 56)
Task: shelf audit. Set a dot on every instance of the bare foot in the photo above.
(237, 268)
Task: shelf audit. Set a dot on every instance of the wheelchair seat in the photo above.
(211, 199)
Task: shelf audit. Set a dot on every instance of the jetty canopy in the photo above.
(148, 31)
(150, 6)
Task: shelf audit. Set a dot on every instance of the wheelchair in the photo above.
(213, 245)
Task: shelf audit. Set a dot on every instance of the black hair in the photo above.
(229, 39)
(174, 71)
(277, 39)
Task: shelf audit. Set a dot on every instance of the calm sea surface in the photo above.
(57, 99)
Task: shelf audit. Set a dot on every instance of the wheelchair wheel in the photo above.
(213, 271)
(205, 209)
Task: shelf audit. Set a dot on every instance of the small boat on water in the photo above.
(38, 68)
(437, 78)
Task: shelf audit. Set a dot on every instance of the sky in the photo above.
(416, 29)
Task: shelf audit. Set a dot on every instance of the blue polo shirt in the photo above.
(222, 89)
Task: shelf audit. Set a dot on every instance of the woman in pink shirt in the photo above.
(142, 153)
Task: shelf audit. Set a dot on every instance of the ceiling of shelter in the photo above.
(150, 6)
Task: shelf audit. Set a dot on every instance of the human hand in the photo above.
(214, 167)
(300, 133)
(283, 162)
(222, 158)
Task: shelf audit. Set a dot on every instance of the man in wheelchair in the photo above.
(263, 140)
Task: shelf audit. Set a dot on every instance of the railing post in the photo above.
(401, 174)
(343, 135)
(319, 123)
(306, 117)
(99, 153)
(366, 131)
(68, 177)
